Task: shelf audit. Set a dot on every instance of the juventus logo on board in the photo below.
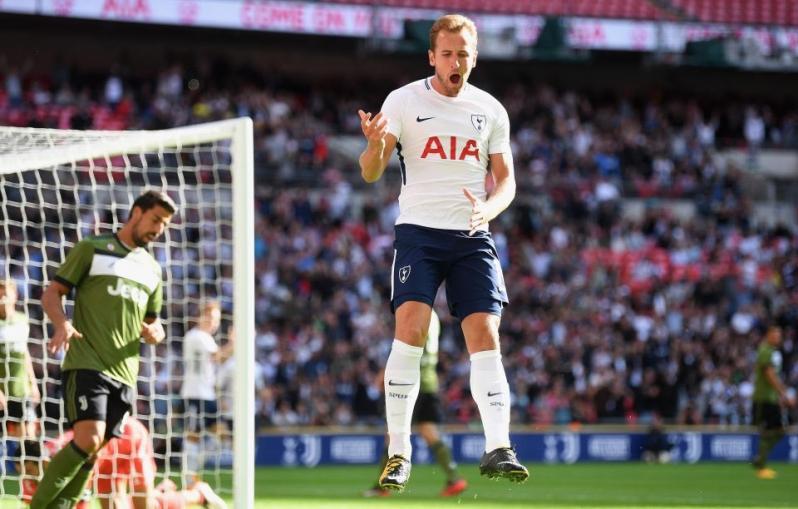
(404, 273)
(478, 121)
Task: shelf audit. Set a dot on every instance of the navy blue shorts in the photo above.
(200, 414)
(426, 257)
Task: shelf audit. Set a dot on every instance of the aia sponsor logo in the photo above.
(63, 7)
(187, 11)
(455, 149)
(126, 9)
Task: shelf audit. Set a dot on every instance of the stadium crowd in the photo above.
(612, 318)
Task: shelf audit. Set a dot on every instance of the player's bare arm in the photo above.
(482, 212)
(377, 153)
(35, 395)
(63, 330)
(226, 351)
(152, 331)
(773, 380)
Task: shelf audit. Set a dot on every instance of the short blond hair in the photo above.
(209, 306)
(451, 23)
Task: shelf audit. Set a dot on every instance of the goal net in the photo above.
(57, 187)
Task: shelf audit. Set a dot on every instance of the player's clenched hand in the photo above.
(374, 129)
(152, 333)
(479, 213)
(61, 337)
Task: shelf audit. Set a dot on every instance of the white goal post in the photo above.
(57, 186)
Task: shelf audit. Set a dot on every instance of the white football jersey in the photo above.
(14, 333)
(199, 371)
(443, 146)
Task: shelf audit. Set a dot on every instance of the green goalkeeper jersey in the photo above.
(429, 359)
(116, 288)
(766, 356)
(14, 331)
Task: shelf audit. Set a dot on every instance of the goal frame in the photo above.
(240, 132)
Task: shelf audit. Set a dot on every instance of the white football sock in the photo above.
(191, 462)
(491, 391)
(402, 381)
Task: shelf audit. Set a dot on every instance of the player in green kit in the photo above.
(769, 394)
(117, 302)
(427, 416)
(18, 389)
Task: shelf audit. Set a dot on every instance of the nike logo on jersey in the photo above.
(491, 394)
(423, 119)
(396, 384)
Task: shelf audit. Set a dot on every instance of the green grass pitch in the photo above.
(584, 486)
(622, 485)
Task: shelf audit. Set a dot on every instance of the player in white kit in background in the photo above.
(448, 135)
(203, 425)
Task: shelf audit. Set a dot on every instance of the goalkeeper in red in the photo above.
(117, 303)
(125, 477)
(124, 474)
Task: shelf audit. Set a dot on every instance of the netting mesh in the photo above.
(45, 211)
(24, 141)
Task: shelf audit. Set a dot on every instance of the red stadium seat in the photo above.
(754, 12)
